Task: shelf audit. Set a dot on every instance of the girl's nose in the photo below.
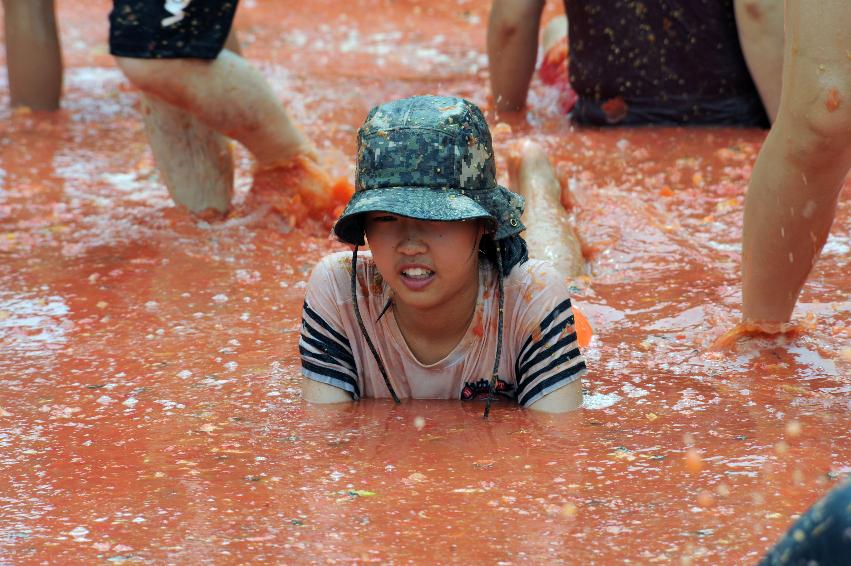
(412, 241)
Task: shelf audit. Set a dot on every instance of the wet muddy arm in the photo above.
(798, 175)
(322, 393)
(33, 54)
(512, 50)
(760, 24)
(562, 400)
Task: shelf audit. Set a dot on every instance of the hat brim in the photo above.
(437, 204)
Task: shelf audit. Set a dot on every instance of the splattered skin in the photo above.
(149, 365)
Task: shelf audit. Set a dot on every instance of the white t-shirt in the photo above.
(540, 352)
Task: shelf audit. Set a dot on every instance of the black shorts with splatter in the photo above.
(170, 29)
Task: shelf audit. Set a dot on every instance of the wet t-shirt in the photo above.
(659, 62)
(540, 352)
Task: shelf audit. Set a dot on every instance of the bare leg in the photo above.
(232, 43)
(228, 95)
(554, 32)
(549, 235)
(195, 162)
(33, 54)
(796, 181)
(760, 24)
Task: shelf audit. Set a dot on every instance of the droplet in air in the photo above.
(693, 460)
(793, 428)
(791, 257)
(809, 209)
(419, 423)
(568, 510)
(705, 498)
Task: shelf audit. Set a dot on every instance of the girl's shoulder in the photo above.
(535, 290)
(335, 270)
(536, 273)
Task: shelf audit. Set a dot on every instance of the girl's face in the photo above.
(427, 264)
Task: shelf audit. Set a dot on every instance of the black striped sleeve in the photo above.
(326, 355)
(549, 357)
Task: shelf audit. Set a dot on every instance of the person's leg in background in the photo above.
(555, 33)
(549, 234)
(799, 172)
(33, 54)
(760, 24)
(198, 93)
(194, 161)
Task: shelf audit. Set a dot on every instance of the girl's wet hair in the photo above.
(512, 251)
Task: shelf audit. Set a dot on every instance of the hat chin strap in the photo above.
(492, 386)
(369, 343)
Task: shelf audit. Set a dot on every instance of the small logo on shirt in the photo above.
(479, 390)
(175, 8)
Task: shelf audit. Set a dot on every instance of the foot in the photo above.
(300, 191)
(761, 328)
(527, 160)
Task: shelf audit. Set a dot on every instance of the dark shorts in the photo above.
(144, 29)
(677, 62)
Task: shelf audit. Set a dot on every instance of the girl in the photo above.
(447, 305)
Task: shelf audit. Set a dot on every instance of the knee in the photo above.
(820, 126)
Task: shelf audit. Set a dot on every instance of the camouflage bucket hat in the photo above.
(429, 158)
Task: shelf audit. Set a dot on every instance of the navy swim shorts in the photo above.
(170, 29)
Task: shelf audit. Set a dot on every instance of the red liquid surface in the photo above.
(149, 402)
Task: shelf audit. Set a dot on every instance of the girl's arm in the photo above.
(328, 367)
(317, 392)
(548, 363)
(561, 400)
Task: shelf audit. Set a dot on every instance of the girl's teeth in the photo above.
(416, 272)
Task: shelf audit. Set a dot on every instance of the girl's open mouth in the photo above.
(416, 278)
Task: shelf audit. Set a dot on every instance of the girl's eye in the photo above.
(384, 218)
